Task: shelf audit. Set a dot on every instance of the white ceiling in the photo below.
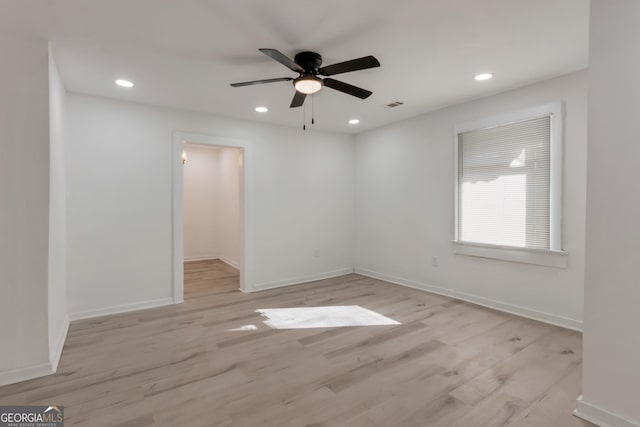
(185, 53)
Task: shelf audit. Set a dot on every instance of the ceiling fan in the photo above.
(308, 65)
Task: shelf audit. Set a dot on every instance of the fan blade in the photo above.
(353, 65)
(259, 82)
(298, 100)
(347, 88)
(283, 59)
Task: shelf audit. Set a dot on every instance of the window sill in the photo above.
(558, 259)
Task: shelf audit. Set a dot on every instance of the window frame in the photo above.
(555, 256)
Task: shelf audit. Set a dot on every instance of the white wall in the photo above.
(405, 208)
(611, 372)
(57, 289)
(24, 206)
(229, 214)
(200, 203)
(119, 188)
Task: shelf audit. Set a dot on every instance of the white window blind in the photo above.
(504, 184)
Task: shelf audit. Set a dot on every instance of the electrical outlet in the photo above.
(434, 261)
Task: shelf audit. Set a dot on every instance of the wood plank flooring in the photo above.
(449, 363)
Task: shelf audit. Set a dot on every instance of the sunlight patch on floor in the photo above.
(323, 317)
(244, 328)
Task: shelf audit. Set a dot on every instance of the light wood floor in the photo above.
(450, 363)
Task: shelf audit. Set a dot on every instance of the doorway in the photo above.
(208, 211)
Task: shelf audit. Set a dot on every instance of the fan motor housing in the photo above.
(310, 61)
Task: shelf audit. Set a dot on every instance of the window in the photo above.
(508, 184)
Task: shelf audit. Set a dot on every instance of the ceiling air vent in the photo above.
(395, 104)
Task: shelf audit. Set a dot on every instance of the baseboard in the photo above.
(124, 308)
(24, 374)
(599, 416)
(230, 262)
(200, 258)
(224, 259)
(300, 279)
(42, 369)
(57, 352)
(553, 319)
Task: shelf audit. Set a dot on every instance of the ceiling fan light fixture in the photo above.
(307, 84)
(308, 66)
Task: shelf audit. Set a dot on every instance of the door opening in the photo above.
(208, 214)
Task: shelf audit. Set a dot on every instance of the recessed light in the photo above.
(124, 83)
(354, 121)
(262, 109)
(483, 76)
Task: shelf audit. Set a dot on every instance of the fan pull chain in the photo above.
(304, 117)
(312, 114)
